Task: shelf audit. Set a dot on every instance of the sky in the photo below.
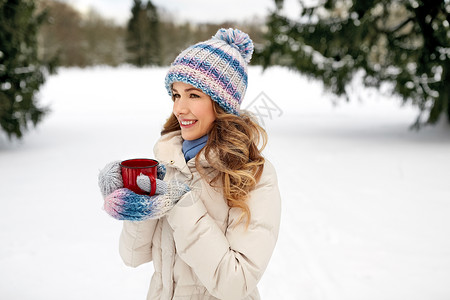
(192, 10)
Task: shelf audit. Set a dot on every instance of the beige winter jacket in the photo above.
(196, 250)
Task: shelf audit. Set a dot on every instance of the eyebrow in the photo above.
(189, 89)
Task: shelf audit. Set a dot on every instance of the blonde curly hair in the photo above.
(233, 149)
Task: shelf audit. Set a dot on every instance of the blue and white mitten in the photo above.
(123, 204)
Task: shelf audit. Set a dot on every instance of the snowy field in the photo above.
(366, 201)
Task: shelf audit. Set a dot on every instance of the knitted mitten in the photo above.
(123, 204)
(110, 177)
(161, 173)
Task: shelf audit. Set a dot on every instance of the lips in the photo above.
(187, 123)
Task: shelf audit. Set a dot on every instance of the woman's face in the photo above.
(193, 109)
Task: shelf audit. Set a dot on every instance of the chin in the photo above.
(189, 137)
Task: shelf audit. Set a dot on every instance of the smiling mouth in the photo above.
(187, 123)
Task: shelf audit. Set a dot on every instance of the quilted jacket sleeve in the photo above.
(135, 244)
(231, 264)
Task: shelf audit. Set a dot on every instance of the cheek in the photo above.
(204, 111)
(174, 107)
(208, 115)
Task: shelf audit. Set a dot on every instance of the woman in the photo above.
(211, 228)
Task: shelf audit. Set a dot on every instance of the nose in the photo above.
(180, 106)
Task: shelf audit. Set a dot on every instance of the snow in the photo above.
(365, 200)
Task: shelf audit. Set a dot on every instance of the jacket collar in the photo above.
(168, 151)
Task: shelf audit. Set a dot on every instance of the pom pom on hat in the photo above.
(217, 66)
(238, 39)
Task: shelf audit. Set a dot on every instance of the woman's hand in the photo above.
(123, 204)
(110, 178)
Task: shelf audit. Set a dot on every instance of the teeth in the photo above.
(187, 122)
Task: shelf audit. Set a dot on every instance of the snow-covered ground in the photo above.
(366, 202)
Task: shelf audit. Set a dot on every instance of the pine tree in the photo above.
(402, 42)
(21, 72)
(153, 41)
(143, 35)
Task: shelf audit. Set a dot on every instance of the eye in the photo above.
(194, 96)
(175, 96)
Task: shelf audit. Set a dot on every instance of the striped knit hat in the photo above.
(217, 66)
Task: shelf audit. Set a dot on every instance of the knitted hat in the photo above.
(217, 66)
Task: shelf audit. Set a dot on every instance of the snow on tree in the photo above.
(405, 43)
(21, 71)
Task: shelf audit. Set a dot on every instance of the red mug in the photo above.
(132, 168)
